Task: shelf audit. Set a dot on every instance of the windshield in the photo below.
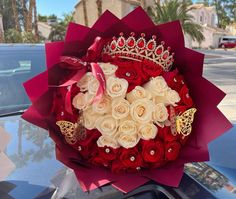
(18, 63)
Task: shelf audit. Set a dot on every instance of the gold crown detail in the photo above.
(140, 49)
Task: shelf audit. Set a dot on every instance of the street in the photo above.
(220, 69)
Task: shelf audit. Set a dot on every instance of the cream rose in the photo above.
(127, 126)
(148, 131)
(83, 83)
(116, 87)
(82, 100)
(141, 110)
(172, 97)
(108, 69)
(89, 118)
(93, 86)
(102, 106)
(127, 140)
(120, 108)
(108, 141)
(157, 86)
(138, 93)
(160, 113)
(107, 125)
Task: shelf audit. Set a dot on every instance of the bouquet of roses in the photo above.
(126, 101)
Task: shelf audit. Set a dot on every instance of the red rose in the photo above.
(152, 151)
(59, 104)
(185, 97)
(131, 158)
(165, 134)
(108, 153)
(174, 80)
(180, 109)
(172, 150)
(151, 70)
(131, 71)
(88, 147)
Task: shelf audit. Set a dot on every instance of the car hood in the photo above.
(32, 151)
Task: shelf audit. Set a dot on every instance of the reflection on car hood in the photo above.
(219, 174)
(33, 153)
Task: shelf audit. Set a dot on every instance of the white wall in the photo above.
(44, 29)
(204, 16)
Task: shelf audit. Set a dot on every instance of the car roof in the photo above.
(21, 47)
(230, 37)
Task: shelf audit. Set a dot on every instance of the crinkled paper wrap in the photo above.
(209, 121)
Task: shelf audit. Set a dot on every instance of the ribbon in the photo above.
(81, 66)
(99, 75)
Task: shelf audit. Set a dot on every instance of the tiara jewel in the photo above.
(139, 49)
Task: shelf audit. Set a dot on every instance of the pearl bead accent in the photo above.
(175, 80)
(152, 152)
(132, 158)
(169, 150)
(79, 148)
(107, 150)
(127, 74)
(138, 168)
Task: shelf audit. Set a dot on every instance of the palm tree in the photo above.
(58, 32)
(35, 21)
(30, 17)
(99, 7)
(85, 12)
(15, 15)
(25, 13)
(177, 10)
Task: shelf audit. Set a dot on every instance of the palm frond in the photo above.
(172, 10)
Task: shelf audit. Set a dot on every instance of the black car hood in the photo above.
(33, 153)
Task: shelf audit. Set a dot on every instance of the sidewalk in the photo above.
(220, 69)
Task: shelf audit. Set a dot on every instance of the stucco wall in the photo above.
(44, 29)
(119, 8)
(204, 16)
(114, 6)
(211, 38)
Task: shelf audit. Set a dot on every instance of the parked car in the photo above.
(227, 42)
(18, 63)
(39, 175)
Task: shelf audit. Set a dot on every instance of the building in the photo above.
(207, 18)
(1, 30)
(204, 15)
(91, 9)
(44, 29)
(232, 29)
(87, 11)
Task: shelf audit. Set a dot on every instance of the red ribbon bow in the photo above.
(83, 65)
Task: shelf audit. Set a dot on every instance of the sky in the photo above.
(58, 7)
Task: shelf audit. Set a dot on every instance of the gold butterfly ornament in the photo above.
(73, 132)
(182, 124)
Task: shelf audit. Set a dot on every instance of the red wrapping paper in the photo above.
(209, 122)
